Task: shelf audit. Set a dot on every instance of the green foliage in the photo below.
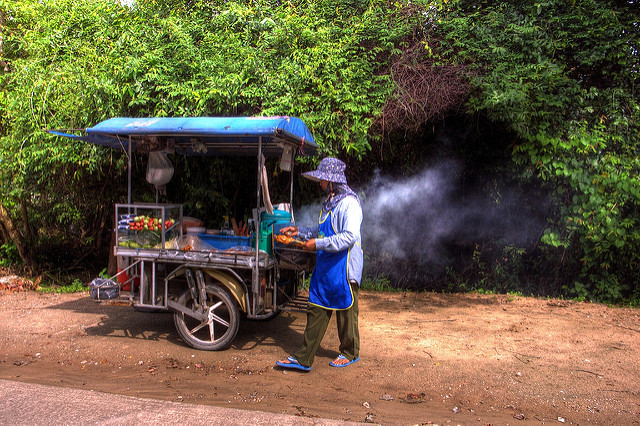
(75, 287)
(230, 59)
(497, 275)
(9, 255)
(454, 281)
(71, 64)
(378, 283)
(561, 77)
(55, 79)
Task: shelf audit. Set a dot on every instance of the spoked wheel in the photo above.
(219, 326)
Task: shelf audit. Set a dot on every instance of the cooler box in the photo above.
(267, 222)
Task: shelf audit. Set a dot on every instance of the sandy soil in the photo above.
(426, 358)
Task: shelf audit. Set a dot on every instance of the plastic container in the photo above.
(196, 230)
(224, 242)
(267, 222)
(276, 216)
(124, 278)
(188, 222)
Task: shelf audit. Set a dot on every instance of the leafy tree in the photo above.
(54, 193)
(71, 64)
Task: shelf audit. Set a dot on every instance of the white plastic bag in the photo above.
(159, 168)
(189, 242)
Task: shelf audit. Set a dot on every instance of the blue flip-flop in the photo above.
(294, 364)
(345, 364)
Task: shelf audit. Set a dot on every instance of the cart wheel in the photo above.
(267, 317)
(218, 330)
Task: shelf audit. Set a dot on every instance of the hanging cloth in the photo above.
(264, 183)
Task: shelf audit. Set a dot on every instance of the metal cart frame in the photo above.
(207, 290)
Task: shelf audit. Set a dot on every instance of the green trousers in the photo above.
(317, 323)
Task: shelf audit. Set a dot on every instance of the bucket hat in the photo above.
(330, 169)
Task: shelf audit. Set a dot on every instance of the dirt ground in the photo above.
(425, 358)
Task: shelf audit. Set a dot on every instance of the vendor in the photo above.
(338, 272)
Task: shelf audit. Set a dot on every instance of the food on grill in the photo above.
(283, 239)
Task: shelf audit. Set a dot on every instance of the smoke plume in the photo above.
(428, 220)
(410, 216)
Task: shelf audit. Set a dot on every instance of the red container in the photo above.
(123, 277)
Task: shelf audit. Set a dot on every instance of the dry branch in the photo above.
(424, 91)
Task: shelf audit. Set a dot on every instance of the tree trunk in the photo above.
(28, 229)
(112, 265)
(3, 234)
(15, 236)
(3, 65)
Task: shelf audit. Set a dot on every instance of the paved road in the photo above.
(30, 404)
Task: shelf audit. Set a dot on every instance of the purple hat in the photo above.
(329, 169)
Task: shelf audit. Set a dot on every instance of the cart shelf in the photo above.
(201, 258)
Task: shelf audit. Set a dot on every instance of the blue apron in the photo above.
(329, 287)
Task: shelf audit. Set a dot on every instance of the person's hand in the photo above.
(289, 231)
(309, 245)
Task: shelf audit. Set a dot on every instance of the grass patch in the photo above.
(380, 283)
(75, 287)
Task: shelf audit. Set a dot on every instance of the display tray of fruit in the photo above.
(148, 223)
(146, 240)
(144, 231)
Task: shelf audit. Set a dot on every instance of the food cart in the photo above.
(208, 280)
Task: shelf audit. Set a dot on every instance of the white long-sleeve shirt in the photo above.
(346, 221)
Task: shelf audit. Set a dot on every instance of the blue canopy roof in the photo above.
(202, 135)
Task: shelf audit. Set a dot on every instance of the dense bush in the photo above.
(545, 71)
(71, 64)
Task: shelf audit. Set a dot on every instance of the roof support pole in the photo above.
(291, 185)
(129, 172)
(255, 276)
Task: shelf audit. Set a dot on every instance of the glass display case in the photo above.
(148, 226)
